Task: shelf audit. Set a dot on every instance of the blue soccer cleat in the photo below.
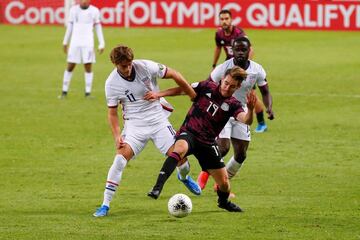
(101, 211)
(190, 184)
(261, 128)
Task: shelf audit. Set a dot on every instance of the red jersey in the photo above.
(209, 112)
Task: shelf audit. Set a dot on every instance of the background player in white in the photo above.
(224, 37)
(82, 20)
(143, 120)
(239, 133)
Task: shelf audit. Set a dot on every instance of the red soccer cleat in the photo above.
(202, 179)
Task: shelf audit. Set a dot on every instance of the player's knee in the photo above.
(240, 158)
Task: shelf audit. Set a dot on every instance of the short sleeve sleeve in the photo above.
(72, 15)
(156, 69)
(96, 16)
(261, 77)
(111, 99)
(217, 39)
(217, 73)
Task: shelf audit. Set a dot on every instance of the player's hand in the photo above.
(119, 142)
(270, 114)
(251, 100)
(65, 48)
(101, 50)
(151, 96)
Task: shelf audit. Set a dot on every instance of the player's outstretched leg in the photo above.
(112, 183)
(223, 202)
(202, 179)
(165, 172)
(183, 171)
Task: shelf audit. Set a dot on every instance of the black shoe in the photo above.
(231, 207)
(154, 193)
(88, 95)
(63, 95)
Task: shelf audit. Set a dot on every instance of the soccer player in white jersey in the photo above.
(82, 20)
(143, 120)
(237, 132)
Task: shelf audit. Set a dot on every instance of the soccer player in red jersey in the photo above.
(213, 106)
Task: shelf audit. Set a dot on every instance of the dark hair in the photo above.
(242, 39)
(121, 53)
(236, 73)
(225, 11)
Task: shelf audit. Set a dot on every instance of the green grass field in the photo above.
(301, 179)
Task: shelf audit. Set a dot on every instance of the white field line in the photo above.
(316, 95)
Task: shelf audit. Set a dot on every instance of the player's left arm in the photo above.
(267, 100)
(98, 30)
(100, 36)
(247, 117)
(181, 82)
(152, 95)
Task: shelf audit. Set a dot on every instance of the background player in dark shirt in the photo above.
(224, 38)
(212, 108)
(225, 35)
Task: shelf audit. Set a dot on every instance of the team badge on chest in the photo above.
(225, 107)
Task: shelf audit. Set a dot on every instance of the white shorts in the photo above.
(162, 135)
(236, 129)
(81, 55)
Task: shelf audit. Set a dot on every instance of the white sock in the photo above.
(88, 81)
(114, 178)
(184, 170)
(232, 167)
(66, 80)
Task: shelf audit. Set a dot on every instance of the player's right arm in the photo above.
(68, 32)
(247, 117)
(69, 29)
(113, 119)
(217, 50)
(112, 100)
(217, 53)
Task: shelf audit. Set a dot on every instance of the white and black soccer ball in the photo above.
(179, 205)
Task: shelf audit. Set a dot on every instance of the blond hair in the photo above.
(236, 73)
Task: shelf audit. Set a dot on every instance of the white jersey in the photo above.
(83, 21)
(256, 75)
(131, 93)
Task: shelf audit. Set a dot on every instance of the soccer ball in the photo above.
(179, 205)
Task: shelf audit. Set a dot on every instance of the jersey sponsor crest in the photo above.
(161, 67)
(146, 82)
(225, 107)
